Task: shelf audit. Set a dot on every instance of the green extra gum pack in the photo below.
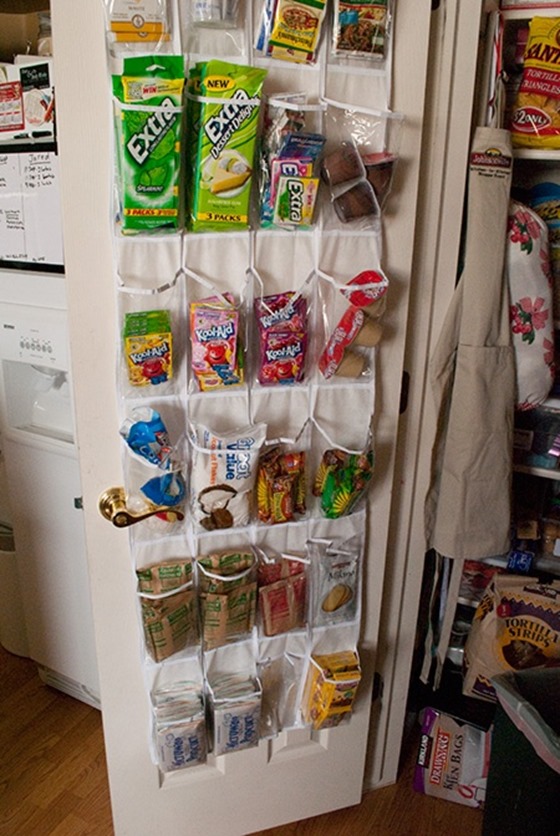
(223, 136)
(148, 102)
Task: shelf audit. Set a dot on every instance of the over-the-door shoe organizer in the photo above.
(247, 369)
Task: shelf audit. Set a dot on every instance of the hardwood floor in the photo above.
(53, 779)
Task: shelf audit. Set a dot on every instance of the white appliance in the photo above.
(43, 481)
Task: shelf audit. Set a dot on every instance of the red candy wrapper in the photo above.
(343, 335)
(282, 328)
(374, 286)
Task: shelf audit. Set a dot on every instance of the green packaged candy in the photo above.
(148, 105)
(222, 140)
(342, 480)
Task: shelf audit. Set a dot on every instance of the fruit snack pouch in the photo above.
(148, 114)
(223, 125)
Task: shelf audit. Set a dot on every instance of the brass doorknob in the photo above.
(112, 506)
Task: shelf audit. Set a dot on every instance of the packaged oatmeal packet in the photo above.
(179, 726)
(223, 105)
(148, 107)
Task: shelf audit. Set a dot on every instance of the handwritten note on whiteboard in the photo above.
(30, 218)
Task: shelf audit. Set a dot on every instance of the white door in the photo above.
(298, 774)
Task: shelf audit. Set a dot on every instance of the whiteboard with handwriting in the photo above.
(30, 219)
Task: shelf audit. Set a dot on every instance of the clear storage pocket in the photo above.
(227, 595)
(217, 337)
(281, 488)
(223, 475)
(280, 335)
(179, 727)
(361, 31)
(283, 588)
(129, 30)
(360, 156)
(167, 600)
(154, 471)
(152, 343)
(214, 27)
(342, 476)
(347, 333)
(234, 698)
(291, 146)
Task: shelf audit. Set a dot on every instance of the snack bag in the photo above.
(217, 357)
(148, 105)
(223, 136)
(223, 475)
(336, 571)
(536, 118)
(281, 486)
(515, 626)
(146, 435)
(341, 481)
(148, 345)
(282, 327)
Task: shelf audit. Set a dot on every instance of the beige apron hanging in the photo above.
(473, 375)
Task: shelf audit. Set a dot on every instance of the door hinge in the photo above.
(377, 689)
(405, 386)
(79, 503)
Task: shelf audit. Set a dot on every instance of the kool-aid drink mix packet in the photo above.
(148, 103)
(222, 119)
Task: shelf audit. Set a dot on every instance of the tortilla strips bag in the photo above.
(516, 626)
(227, 585)
(536, 117)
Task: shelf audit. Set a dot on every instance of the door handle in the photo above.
(112, 506)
